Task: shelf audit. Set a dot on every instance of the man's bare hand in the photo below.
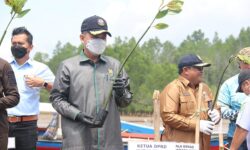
(33, 81)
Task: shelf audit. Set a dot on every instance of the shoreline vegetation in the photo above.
(153, 64)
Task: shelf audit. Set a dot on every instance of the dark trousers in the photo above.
(25, 134)
(243, 146)
(3, 141)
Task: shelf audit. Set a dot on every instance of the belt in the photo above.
(14, 119)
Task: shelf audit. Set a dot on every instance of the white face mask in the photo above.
(96, 46)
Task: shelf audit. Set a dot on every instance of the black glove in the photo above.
(100, 118)
(92, 122)
(120, 84)
(88, 120)
(125, 99)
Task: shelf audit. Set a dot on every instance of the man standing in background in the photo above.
(229, 100)
(31, 77)
(241, 133)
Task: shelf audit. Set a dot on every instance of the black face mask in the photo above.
(18, 51)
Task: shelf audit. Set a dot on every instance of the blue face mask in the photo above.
(18, 51)
(96, 46)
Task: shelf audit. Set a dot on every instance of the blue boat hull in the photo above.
(125, 126)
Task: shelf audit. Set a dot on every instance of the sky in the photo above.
(51, 21)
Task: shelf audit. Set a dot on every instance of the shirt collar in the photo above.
(183, 80)
(29, 62)
(84, 58)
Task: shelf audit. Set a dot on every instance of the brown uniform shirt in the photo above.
(9, 97)
(178, 104)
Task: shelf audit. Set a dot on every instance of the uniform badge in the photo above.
(186, 94)
(100, 22)
(109, 75)
(110, 72)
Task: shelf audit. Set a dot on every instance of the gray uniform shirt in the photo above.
(82, 85)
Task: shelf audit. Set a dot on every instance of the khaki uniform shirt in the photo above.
(178, 104)
(9, 97)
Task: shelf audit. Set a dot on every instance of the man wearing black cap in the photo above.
(243, 122)
(82, 85)
(178, 104)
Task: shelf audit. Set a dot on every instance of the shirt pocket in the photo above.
(187, 106)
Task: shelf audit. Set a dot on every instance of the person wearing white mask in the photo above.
(83, 84)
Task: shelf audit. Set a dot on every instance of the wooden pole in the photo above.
(59, 130)
(156, 115)
(197, 128)
(221, 140)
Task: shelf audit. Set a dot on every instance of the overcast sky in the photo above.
(51, 21)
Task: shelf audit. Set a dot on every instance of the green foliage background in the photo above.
(154, 63)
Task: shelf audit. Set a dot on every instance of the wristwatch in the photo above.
(45, 84)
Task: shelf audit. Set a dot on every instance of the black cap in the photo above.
(95, 25)
(192, 60)
(243, 76)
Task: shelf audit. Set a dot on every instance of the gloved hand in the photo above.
(100, 118)
(206, 126)
(88, 120)
(214, 115)
(92, 122)
(120, 84)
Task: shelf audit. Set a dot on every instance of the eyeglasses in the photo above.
(197, 68)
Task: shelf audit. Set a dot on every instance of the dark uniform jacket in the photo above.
(9, 97)
(82, 85)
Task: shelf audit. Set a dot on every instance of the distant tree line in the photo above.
(154, 63)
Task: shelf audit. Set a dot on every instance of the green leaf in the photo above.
(176, 2)
(23, 13)
(175, 5)
(7, 2)
(161, 14)
(179, 2)
(161, 26)
(173, 12)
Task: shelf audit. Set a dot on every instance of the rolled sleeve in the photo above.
(224, 101)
